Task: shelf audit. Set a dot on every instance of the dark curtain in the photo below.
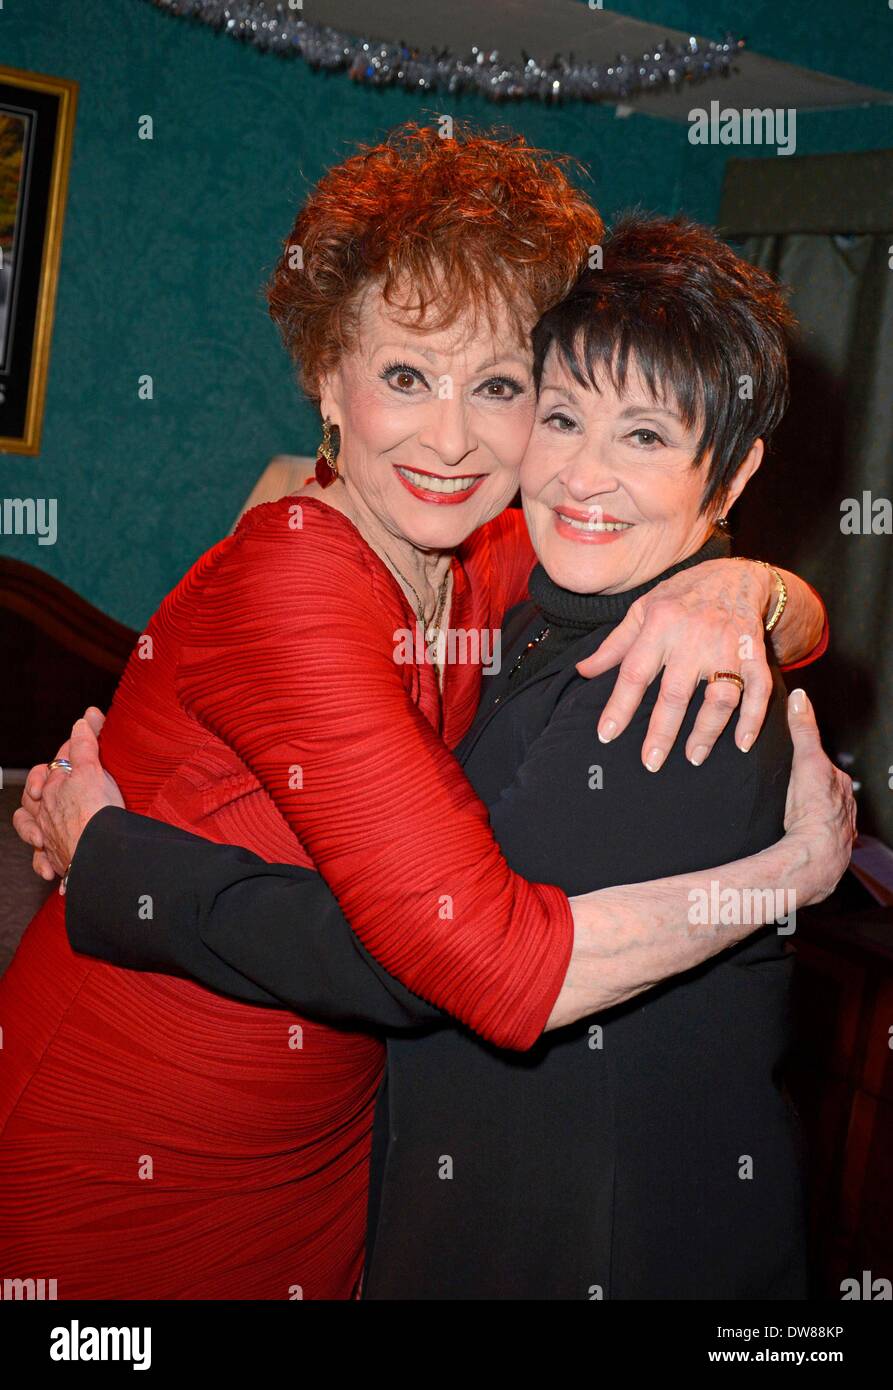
(836, 443)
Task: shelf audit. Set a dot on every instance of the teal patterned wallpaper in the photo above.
(168, 242)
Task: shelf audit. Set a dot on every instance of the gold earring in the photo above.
(326, 470)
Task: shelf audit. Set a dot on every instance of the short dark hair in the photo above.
(677, 303)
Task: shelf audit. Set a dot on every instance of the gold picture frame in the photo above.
(37, 115)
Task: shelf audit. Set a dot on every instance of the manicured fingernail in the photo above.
(606, 730)
(654, 759)
(746, 743)
(699, 755)
(798, 701)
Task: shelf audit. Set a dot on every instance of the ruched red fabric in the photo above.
(160, 1141)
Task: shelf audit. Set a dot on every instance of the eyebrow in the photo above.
(648, 408)
(432, 357)
(408, 347)
(562, 391)
(501, 357)
(628, 413)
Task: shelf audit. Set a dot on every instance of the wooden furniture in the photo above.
(60, 653)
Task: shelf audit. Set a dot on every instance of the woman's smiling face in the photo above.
(433, 423)
(609, 492)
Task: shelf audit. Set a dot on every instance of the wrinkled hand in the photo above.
(820, 809)
(705, 619)
(57, 805)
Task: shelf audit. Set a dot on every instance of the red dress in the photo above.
(158, 1140)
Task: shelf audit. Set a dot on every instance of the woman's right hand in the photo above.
(820, 814)
(55, 806)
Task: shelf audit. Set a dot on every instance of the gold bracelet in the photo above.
(782, 590)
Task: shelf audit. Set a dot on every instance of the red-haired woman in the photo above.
(158, 1140)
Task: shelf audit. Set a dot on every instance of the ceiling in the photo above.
(545, 27)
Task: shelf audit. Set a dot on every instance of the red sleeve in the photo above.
(510, 557)
(821, 646)
(292, 664)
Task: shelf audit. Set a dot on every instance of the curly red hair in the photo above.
(475, 222)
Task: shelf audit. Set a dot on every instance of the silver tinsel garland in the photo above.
(276, 29)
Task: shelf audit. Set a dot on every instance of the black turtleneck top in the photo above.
(645, 1153)
(568, 616)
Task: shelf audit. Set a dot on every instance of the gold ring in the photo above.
(62, 763)
(727, 676)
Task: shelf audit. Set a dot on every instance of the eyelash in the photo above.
(393, 368)
(557, 415)
(655, 437)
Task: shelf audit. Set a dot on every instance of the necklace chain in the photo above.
(434, 625)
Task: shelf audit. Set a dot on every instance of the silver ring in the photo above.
(61, 763)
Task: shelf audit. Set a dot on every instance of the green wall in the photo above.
(168, 242)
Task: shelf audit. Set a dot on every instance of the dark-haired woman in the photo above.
(646, 1152)
(196, 1148)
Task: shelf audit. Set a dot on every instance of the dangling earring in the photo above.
(326, 470)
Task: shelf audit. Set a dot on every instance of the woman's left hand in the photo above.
(705, 619)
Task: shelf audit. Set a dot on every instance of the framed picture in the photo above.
(36, 127)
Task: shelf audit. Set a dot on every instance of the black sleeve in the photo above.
(148, 896)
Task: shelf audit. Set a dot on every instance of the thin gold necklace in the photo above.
(434, 625)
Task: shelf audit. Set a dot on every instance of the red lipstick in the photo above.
(567, 531)
(438, 498)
